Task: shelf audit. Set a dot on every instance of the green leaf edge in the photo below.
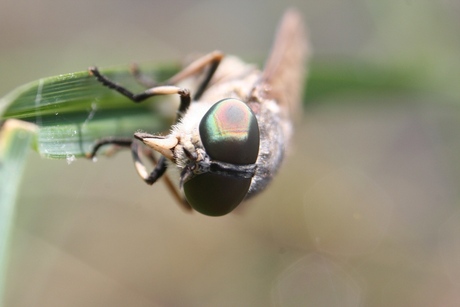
(15, 139)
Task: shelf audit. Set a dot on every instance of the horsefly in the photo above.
(230, 135)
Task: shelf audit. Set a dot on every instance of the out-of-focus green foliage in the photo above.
(15, 138)
(73, 110)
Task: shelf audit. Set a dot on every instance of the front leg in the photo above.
(158, 171)
(154, 91)
(118, 141)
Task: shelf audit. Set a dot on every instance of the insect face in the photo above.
(230, 136)
(230, 150)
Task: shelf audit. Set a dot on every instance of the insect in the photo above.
(229, 137)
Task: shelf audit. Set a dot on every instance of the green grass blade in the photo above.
(73, 110)
(15, 138)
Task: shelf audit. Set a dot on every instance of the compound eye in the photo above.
(230, 133)
(214, 194)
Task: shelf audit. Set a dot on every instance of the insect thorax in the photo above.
(274, 129)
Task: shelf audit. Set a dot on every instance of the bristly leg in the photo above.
(160, 168)
(119, 141)
(212, 60)
(158, 171)
(154, 91)
(142, 78)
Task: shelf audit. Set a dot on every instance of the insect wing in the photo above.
(285, 69)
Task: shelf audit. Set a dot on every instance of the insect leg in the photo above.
(119, 141)
(212, 60)
(154, 91)
(142, 78)
(159, 170)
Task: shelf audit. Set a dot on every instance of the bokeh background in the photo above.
(365, 211)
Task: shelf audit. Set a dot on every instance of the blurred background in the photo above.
(365, 211)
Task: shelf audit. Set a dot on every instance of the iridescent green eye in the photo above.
(230, 133)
